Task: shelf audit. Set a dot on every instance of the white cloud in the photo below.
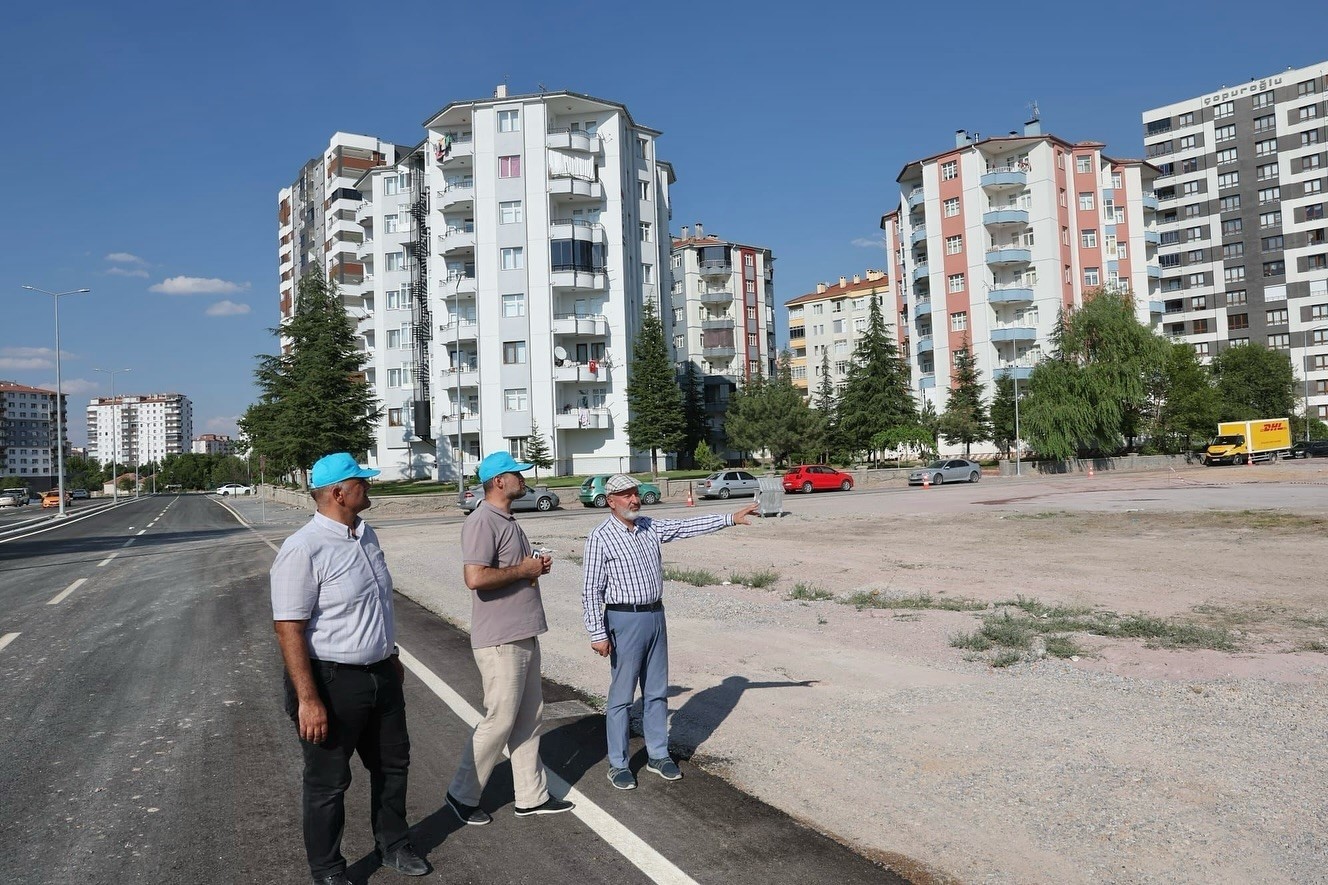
(125, 258)
(74, 386)
(11, 362)
(227, 309)
(197, 286)
(226, 424)
(126, 272)
(868, 242)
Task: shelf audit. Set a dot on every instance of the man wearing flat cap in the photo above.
(624, 614)
(332, 611)
(507, 617)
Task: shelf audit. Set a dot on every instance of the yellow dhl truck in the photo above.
(1242, 442)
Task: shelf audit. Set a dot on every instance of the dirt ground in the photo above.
(1126, 763)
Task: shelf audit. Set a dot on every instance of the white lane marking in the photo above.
(7, 638)
(126, 543)
(141, 531)
(108, 559)
(104, 508)
(60, 597)
(656, 866)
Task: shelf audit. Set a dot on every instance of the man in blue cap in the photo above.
(507, 616)
(332, 610)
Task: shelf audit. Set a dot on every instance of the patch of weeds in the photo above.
(1045, 514)
(1040, 609)
(1165, 634)
(803, 590)
(695, 576)
(1063, 647)
(908, 616)
(971, 641)
(1005, 658)
(1313, 645)
(1311, 622)
(1008, 631)
(822, 621)
(760, 580)
(875, 599)
(576, 558)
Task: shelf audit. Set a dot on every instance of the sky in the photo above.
(147, 141)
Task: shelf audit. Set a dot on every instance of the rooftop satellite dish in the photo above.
(559, 355)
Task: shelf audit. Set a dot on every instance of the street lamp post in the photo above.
(115, 432)
(59, 395)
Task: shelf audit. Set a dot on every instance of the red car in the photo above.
(816, 477)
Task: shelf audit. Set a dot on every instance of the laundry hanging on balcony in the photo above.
(442, 148)
(561, 165)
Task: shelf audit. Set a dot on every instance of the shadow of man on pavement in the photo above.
(696, 720)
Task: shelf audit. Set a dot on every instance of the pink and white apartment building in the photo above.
(994, 236)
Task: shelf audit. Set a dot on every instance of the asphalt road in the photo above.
(140, 689)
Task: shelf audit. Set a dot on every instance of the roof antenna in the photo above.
(1033, 106)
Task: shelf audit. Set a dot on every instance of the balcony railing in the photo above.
(588, 325)
(1011, 175)
(716, 269)
(916, 197)
(718, 323)
(1009, 253)
(599, 418)
(1010, 294)
(716, 298)
(572, 140)
(719, 351)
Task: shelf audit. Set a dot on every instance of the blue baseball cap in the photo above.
(332, 469)
(495, 463)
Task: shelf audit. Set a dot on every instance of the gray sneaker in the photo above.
(551, 805)
(622, 778)
(665, 768)
(468, 814)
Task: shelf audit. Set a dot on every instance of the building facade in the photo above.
(213, 444)
(992, 238)
(1242, 193)
(720, 316)
(28, 434)
(824, 327)
(136, 429)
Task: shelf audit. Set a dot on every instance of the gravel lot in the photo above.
(1129, 764)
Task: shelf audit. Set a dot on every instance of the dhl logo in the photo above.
(1274, 425)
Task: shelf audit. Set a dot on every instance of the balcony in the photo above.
(916, 197)
(575, 188)
(921, 305)
(718, 323)
(576, 229)
(468, 374)
(1008, 369)
(919, 235)
(364, 322)
(1155, 307)
(721, 298)
(364, 211)
(926, 380)
(459, 194)
(453, 149)
(1011, 294)
(580, 373)
(1150, 202)
(1008, 215)
(470, 423)
(585, 325)
(716, 269)
(456, 239)
(463, 328)
(578, 280)
(998, 256)
(924, 344)
(1152, 237)
(1013, 332)
(364, 250)
(920, 272)
(572, 140)
(458, 284)
(1154, 272)
(584, 419)
(719, 352)
(1004, 177)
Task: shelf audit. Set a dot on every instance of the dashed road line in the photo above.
(60, 597)
(654, 865)
(140, 531)
(7, 638)
(112, 556)
(126, 543)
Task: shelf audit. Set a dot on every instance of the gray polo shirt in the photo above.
(493, 538)
(335, 577)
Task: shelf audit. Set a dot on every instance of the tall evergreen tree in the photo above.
(537, 450)
(965, 417)
(653, 394)
(771, 415)
(696, 424)
(876, 395)
(313, 397)
(1002, 414)
(827, 405)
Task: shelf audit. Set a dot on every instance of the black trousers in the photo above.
(366, 713)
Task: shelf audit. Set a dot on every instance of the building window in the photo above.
(1224, 133)
(514, 399)
(1088, 239)
(1086, 202)
(954, 245)
(1264, 100)
(1092, 277)
(1313, 161)
(1281, 341)
(1229, 204)
(509, 212)
(1230, 155)
(647, 233)
(514, 305)
(1271, 244)
(959, 321)
(1274, 268)
(509, 167)
(1270, 219)
(951, 207)
(956, 282)
(509, 121)
(1225, 109)
(1083, 163)
(398, 299)
(1265, 148)
(1307, 87)
(1276, 317)
(1233, 250)
(395, 261)
(1200, 326)
(1309, 112)
(1232, 226)
(394, 418)
(949, 170)
(643, 190)
(1190, 188)
(514, 353)
(1235, 297)
(513, 258)
(647, 273)
(1314, 212)
(1265, 123)
(1238, 321)
(1234, 274)
(1270, 195)
(393, 339)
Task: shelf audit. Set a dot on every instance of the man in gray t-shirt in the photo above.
(507, 616)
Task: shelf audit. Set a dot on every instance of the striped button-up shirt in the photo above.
(624, 566)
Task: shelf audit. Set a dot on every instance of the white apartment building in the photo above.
(136, 429)
(1242, 194)
(28, 433)
(994, 236)
(824, 327)
(720, 316)
(213, 444)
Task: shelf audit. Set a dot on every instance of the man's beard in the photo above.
(629, 514)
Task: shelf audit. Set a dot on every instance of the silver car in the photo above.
(729, 482)
(949, 470)
(535, 498)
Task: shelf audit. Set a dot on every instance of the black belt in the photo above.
(655, 606)
(337, 665)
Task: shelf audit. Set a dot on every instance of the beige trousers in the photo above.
(513, 711)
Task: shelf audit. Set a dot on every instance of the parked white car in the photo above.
(235, 488)
(10, 498)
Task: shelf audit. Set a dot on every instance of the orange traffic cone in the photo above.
(690, 502)
(926, 480)
(1090, 469)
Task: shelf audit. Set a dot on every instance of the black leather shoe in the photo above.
(405, 861)
(334, 879)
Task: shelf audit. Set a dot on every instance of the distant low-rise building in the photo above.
(824, 327)
(213, 444)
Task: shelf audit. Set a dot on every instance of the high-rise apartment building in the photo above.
(137, 429)
(995, 236)
(824, 327)
(720, 315)
(1242, 195)
(28, 434)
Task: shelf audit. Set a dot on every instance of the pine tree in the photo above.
(876, 395)
(1002, 414)
(537, 450)
(653, 395)
(965, 416)
(742, 421)
(313, 398)
(696, 424)
(827, 406)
